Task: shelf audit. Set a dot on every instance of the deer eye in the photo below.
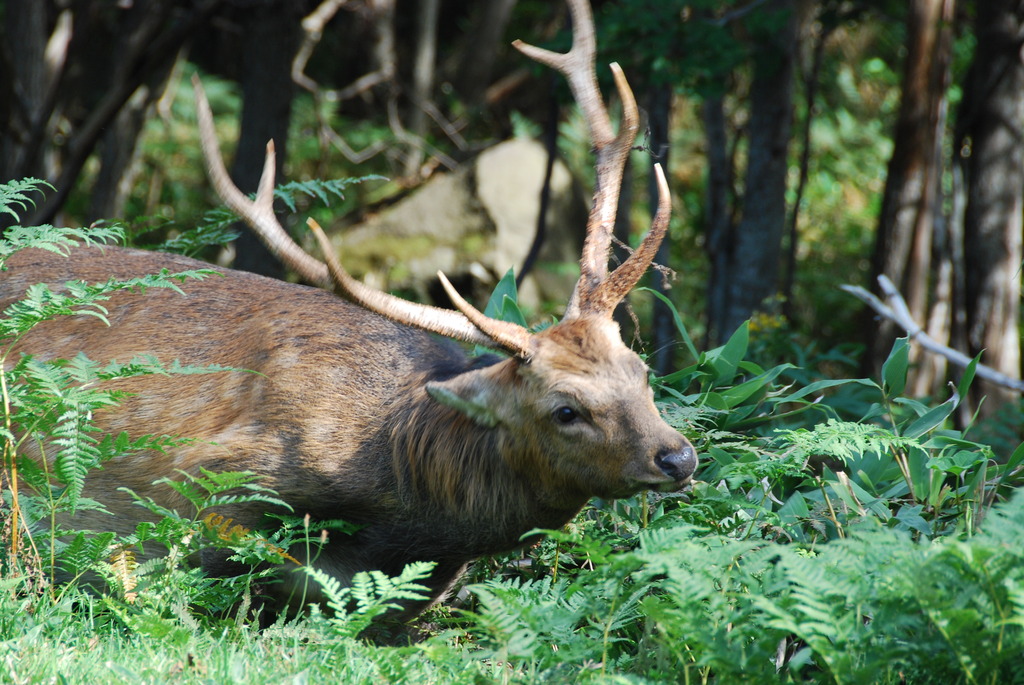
(565, 415)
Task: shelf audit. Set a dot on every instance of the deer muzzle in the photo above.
(678, 465)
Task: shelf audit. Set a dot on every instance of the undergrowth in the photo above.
(839, 532)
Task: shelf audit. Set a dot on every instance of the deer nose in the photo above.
(678, 465)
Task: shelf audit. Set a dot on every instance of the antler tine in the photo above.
(621, 281)
(577, 66)
(611, 150)
(434, 319)
(511, 335)
(258, 213)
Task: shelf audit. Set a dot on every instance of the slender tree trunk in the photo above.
(156, 44)
(272, 32)
(26, 35)
(485, 40)
(116, 156)
(911, 204)
(754, 269)
(659, 114)
(118, 148)
(422, 80)
(993, 137)
(720, 226)
(810, 87)
(551, 148)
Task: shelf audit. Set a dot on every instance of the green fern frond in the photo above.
(63, 420)
(323, 191)
(41, 302)
(84, 551)
(215, 228)
(845, 440)
(207, 489)
(17, 196)
(57, 240)
(373, 590)
(370, 595)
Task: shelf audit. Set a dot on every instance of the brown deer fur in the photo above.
(341, 417)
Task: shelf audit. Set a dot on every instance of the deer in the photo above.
(367, 407)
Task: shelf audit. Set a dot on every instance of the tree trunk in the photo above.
(116, 156)
(911, 204)
(754, 268)
(271, 38)
(720, 226)
(993, 141)
(422, 80)
(25, 87)
(485, 40)
(659, 113)
(118, 148)
(810, 77)
(101, 77)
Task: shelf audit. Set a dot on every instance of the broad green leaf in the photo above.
(503, 303)
(1016, 457)
(956, 463)
(909, 516)
(894, 370)
(794, 510)
(968, 377)
(932, 418)
(738, 394)
(726, 359)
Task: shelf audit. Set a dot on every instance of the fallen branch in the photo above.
(898, 312)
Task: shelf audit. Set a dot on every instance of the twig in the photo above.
(313, 26)
(313, 29)
(898, 312)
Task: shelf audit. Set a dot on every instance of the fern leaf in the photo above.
(320, 190)
(41, 302)
(122, 565)
(57, 240)
(18, 195)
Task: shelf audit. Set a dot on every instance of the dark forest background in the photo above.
(809, 143)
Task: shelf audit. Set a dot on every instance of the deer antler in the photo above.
(259, 215)
(618, 284)
(596, 292)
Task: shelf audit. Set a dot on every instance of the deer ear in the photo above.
(470, 393)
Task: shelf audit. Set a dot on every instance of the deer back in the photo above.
(315, 372)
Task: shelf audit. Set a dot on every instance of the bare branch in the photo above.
(313, 28)
(898, 312)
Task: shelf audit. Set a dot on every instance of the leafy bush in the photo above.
(687, 604)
